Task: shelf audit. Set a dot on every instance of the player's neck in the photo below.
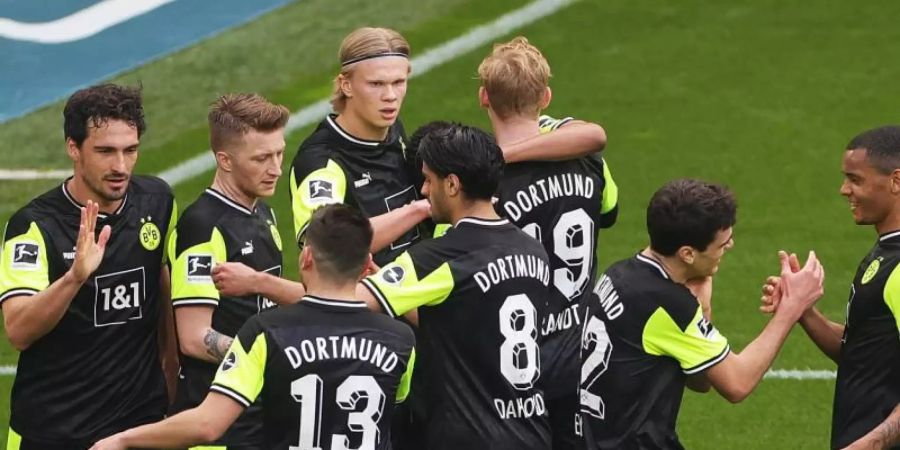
(81, 193)
(227, 187)
(319, 288)
(359, 128)
(889, 224)
(479, 209)
(515, 129)
(673, 266)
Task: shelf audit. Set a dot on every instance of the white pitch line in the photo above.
(6, 371)
(29, 174)
(805, 374)
(421, 65)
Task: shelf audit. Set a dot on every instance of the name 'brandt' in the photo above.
(513, 266)
(544, 190)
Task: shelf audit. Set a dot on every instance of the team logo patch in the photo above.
(871, 270)
(25, 255)
(321, 190)
(150, 236)
(199, 268)
(706, 328)
(276, 236)
(393, 275)
(229, 362)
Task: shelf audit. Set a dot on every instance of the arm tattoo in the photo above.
(216, 343)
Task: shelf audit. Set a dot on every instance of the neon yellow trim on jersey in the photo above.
(441, 229)
(187, 289)
(24, 275)
(892, 294)
(302, 203)
(548, 123)
(401, 288)
(610, 191)
(173, 220)
(244, 375)
(693, 351)
(13, 440)
(406, 379)
(210, 447)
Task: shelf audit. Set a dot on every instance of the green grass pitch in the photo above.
(760, 95)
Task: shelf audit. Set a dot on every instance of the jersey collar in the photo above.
(71, 199)
(482, 222)
(330, 120)
(889, 236)
(341, 304)
(655, 264)
(224, 199)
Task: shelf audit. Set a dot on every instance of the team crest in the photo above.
(149, 236)
(871, 270)
(393, 275)
(229, 362)
(276, 236)
(25, 255)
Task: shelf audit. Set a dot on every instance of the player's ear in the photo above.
(452, 185)
(306, 260)
(345, 86)
(223, 160)
(687, 254)
(483, 99)
(546, 98)
(368, 268)
(895, 181)
(72, 150)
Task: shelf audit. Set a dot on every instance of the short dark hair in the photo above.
(413, 160)
(882, 146)
(94, 106)
(340, 237)
(688, 212)
(467, 152)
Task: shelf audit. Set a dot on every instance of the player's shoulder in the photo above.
(150, 185)
(394, 327)
(648, 287)
(201, 216)
(48, 205)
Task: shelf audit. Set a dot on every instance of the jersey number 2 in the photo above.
(596, 340)
(307, 391)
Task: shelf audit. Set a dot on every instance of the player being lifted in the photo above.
(562, 204)
(231, 228)
(326, 368)
(84, 287)
(479, 290)
(646, 336)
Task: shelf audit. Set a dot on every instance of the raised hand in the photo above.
(800, 290)
(88, 251)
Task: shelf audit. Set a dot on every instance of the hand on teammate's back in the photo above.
(234, 279)
(88, 252)
(798, 290)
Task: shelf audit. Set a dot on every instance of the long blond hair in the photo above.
(361, 44)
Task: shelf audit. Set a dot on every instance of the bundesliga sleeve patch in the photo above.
(393, 275)
(25, 255)
(199, 268)
(321, 190)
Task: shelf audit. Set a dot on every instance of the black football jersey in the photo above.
(97, 371)
(868, 379)
(643, 335)
(212, 230)
(332, 166)
(480, 290)
(328, 372)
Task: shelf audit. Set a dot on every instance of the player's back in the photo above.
(332, 372)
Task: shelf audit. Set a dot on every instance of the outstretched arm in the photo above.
(573, 139)
(237, 280)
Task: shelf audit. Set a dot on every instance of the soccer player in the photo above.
(562, 204)
(230, 224)
(866, 347)
(327, 368)
(358, 156)
(645, 336)
(84, 287)
(479, 290)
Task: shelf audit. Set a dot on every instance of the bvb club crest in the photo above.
(276, 236)
(149, 235)
(871, 270)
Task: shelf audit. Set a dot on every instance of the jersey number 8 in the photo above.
(519, 354)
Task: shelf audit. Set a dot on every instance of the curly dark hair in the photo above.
(689, 212)
(94, 106)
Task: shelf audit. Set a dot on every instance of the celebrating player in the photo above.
(327, 368)
(645, 335)
(479, 290)
(561, 204)
(84, 287)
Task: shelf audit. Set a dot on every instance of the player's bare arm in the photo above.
(205, 423)
(391, 226)
(739, 373)
(197, 338)
(574, 139)
(237, 280)
(884, 436)
(28, 318)
(168, 341)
